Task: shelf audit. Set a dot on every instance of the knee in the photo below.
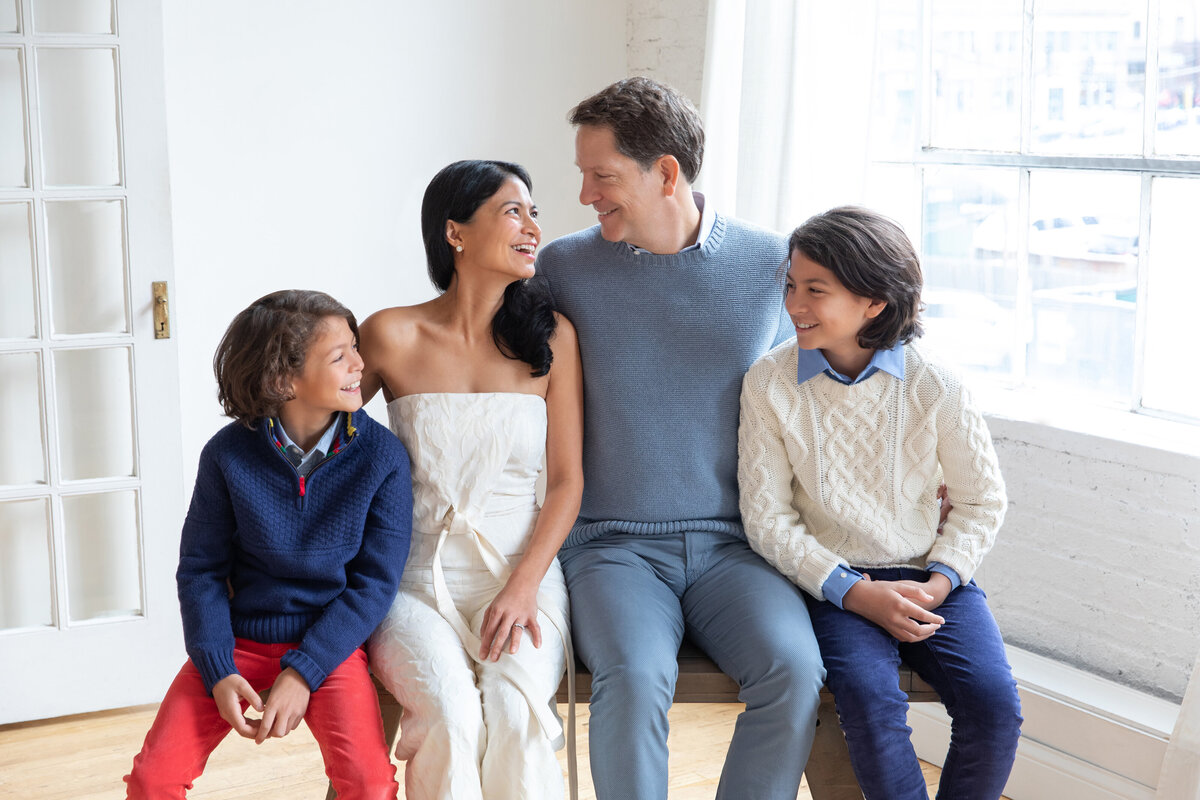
(793, 674)
(991, 712)
(643, 688)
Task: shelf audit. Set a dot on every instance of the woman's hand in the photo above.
(513, 612)
(895, 606)
(228, 694)
(285, 707)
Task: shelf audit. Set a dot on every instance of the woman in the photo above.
(474, 645)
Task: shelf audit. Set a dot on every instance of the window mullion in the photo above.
(1026, 85)
(1143, 283)
(1150, 104)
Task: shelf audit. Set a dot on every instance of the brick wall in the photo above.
(665, 41)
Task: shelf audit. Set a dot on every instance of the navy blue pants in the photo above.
(964, 662)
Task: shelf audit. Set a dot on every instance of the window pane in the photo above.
(1083, 242)
(72, 16)
(101, 535)
(18, 301)
(976, 62)
(969, 258)
(8, 17)
(77, 87)
(95, 412)
(1089, 77)
(22, 458)
(1170, 384)
(14, 162)
(1177, 118)
(87, 266)
(897, 56)
(26, 592)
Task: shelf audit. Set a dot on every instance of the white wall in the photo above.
(302, 135)
(665, 40)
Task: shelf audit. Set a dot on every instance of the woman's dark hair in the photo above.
(648, 120)
(264, 348)
(525, 321)
(872, 257)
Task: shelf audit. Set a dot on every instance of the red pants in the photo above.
(343, 716)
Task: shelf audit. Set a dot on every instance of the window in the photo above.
(1048, 167)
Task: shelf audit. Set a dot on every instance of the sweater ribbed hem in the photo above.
(275, 628)
(213, 666)
(587, 531)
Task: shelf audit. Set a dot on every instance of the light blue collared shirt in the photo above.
(708, 218)
(319, 450)
(810, 364)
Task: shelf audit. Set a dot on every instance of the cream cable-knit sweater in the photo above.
(833, 474)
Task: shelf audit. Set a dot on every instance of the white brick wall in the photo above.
(665, 41)
(1096, 564)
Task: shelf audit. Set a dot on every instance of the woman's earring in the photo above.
(458, 248)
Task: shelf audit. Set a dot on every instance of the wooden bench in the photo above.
(828, 771)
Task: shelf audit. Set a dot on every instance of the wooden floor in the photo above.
(83, 758)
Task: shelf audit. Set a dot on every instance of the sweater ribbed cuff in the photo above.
(313, 675)
(213, 666)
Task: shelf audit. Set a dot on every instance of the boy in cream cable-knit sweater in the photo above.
(846, 435)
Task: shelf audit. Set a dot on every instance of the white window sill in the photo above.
(1056, 421)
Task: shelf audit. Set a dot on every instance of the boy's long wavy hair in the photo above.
(264, 348)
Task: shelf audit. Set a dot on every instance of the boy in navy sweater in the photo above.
(290, 555)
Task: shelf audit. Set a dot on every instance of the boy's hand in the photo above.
(894, 606)
(937, 587)
(285, 707)
(228, 693)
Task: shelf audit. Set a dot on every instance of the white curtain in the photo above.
(1180, 776)
(786, 102)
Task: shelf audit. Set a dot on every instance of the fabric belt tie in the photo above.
(455, 523)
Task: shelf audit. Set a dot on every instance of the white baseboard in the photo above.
(1083, 737)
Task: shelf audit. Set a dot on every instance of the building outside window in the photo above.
(1048, 153)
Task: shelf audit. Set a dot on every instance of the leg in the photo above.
(753, 623)
(519, 762)
(419, 658)
(343, 716)
(965, 662)
(627, 626)
(188, 727)
(862, 661)
(186, 730)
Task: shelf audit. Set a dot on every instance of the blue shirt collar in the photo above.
(319, 450)
(811, 363)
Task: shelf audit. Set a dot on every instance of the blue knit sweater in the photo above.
(665, 341)
(315, 562)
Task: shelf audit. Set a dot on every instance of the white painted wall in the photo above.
(302, 135)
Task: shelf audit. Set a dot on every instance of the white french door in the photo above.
(90, 495)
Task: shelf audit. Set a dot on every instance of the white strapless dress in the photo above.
(471, 728)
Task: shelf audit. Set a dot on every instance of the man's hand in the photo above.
(285, 707)
(228, 694)
(895, 606)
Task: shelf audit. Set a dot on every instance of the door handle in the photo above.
(162, 310)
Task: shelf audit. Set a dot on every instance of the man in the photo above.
(672, 303)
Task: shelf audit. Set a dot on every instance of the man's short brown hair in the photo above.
(649, 120)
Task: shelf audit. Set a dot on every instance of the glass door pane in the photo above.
(93, 392)
(18, 297)
(23, 457)
(26, 587)
(73, 16)
(86, 243)
(77, 88)
(14, 158)
(101, 536)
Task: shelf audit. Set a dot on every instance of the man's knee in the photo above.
(643, 685)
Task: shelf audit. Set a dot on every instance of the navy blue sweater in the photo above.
(314, 561)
